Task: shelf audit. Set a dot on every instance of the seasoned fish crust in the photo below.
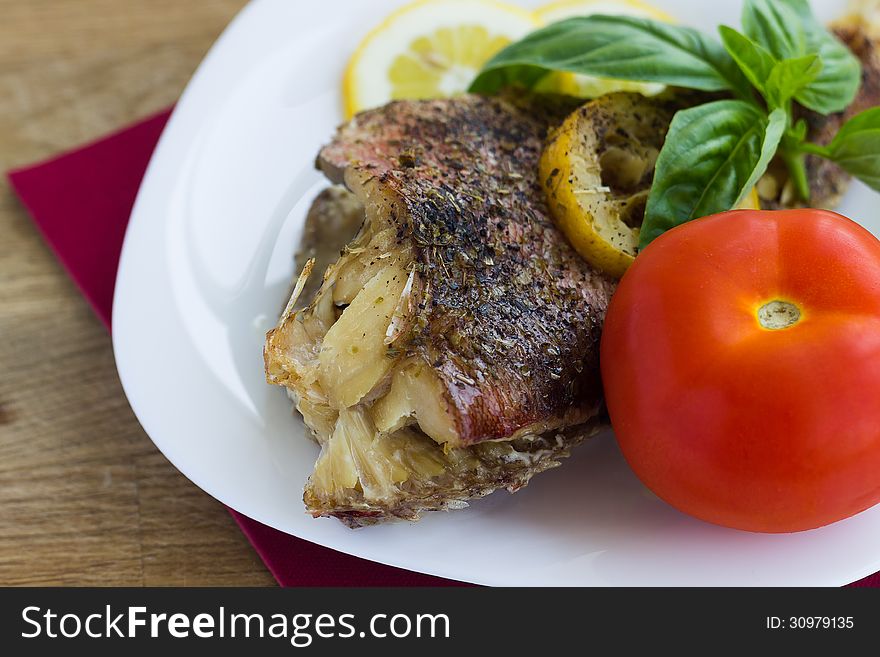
(510, 317)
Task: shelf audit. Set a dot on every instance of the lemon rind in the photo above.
(350, 97)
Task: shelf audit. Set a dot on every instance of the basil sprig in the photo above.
(714, 153)
(836, 87)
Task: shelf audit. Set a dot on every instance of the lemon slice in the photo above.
(557, 11)
(587, 86)
(597, 169)
(430, 49)
(597, 187)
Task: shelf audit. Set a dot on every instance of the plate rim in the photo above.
(164, 148)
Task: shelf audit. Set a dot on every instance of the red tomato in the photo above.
(741, 364)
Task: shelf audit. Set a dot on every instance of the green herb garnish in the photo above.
(715, 153)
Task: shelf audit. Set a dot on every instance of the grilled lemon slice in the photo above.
(430, 49)
(597, 170)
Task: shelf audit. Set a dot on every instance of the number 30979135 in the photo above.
(810, 623)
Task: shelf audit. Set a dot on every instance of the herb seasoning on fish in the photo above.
(479, 368)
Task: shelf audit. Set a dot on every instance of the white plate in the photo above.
(205, 269)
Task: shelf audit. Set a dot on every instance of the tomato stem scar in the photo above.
(778, 315)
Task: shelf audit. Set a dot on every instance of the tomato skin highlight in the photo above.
(734, 423)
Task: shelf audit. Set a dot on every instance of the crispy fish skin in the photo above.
(510, 317)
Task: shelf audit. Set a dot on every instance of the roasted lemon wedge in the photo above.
(597, 170)
(430, 49)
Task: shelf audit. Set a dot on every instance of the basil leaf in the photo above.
(856, 147)
(775, 26)
(622, 48)
(752, 58)
(790, 76)
(836, 87)
(713, 156)
(517, 75)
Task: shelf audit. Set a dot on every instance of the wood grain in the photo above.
(85, 498)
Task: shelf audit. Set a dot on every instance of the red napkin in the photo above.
(81, 202)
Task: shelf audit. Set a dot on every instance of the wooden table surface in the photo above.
(85, 497)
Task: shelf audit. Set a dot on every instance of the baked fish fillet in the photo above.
(452, 350)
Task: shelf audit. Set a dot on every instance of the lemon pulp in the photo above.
(430, 49)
